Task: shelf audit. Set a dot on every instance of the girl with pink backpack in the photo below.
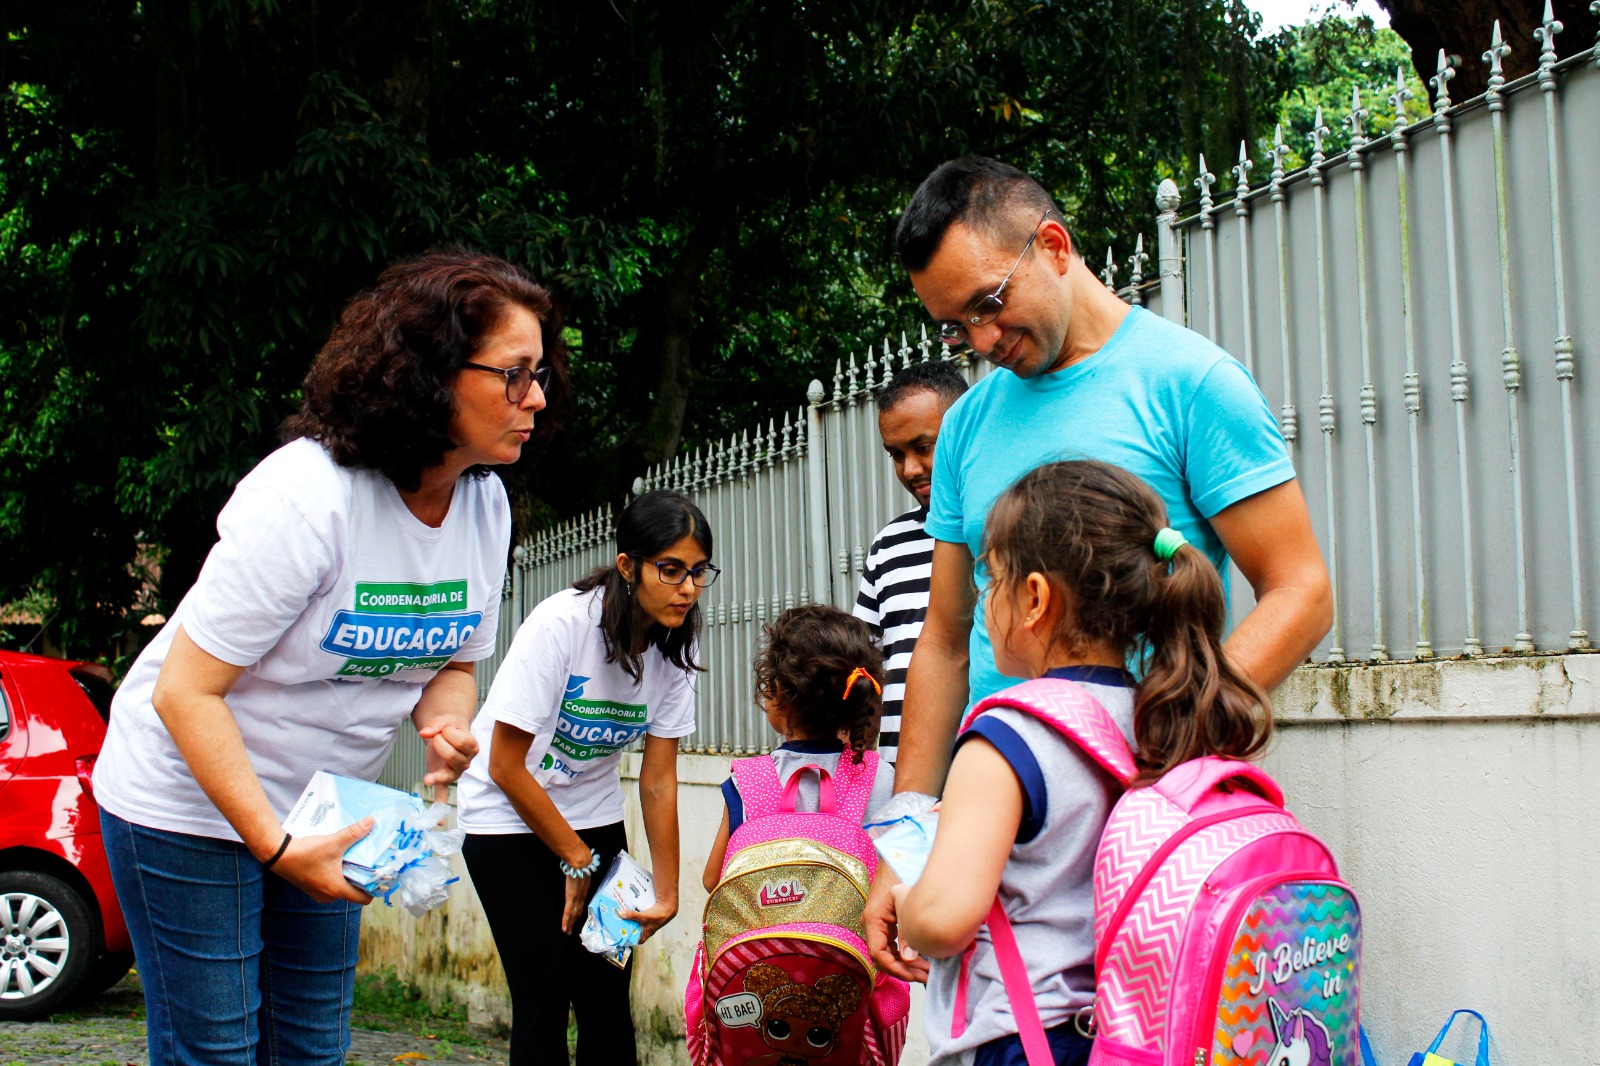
(782, 976)
(1085, 578)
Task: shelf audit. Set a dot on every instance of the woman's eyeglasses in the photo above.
(672, 573)
(519, 379)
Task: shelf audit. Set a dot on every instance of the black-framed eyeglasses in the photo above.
(986, 309)
(519, 379)
(675, 573)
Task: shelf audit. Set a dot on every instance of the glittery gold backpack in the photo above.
(782, 972)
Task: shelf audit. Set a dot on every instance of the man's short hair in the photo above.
(977, 192)
(938, 376)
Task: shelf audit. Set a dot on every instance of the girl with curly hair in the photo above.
(819, 677)
(355, 583)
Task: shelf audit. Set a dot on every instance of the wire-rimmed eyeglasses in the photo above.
(519, 379)
(986, 309)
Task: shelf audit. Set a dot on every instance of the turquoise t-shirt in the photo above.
(1158, 400)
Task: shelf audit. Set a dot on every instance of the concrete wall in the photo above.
(1463, 801)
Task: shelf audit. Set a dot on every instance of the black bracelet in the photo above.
(279, 853)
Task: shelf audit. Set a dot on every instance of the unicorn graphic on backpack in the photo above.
(1302, 1039)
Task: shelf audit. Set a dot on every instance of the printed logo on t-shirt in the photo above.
(591, 729)
(401, 626)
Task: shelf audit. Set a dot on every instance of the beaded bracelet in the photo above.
(586, 871)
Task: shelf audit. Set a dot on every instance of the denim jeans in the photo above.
(239, 967)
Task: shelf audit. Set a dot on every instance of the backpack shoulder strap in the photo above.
(1018, 986)
(758, 784)
(853, 785)
(1070, 708)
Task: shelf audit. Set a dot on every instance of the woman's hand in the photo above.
(572, 908)
(449, 752)
(315, 865)
(577, 896)
(652, 918)
(443, 717)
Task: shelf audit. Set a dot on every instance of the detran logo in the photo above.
(775, 893)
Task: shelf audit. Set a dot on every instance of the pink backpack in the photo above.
(1223, 934)
(782, 971)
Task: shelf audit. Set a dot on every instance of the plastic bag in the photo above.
(405, 854)
(904, 843)
(605, 932)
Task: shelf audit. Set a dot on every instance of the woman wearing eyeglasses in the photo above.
(356, 580)
(592, 669)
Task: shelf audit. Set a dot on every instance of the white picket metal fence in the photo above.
(1390, 286)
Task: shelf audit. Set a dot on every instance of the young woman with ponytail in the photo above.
(592, 669)
(1085, 578)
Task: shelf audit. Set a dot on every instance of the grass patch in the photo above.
(385, 1003)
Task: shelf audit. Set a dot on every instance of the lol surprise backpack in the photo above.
(782, 972)
(1223, 934)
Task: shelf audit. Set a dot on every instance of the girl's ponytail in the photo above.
(1099, 534)
(1192, 700)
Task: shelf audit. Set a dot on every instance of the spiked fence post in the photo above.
(1325, 403)
(1510, 360)
(1566, 361)
(1208, 224)
(1169, 252)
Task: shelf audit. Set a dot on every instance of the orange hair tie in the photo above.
(855, 675)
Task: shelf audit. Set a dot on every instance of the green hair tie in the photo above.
(1168, 541)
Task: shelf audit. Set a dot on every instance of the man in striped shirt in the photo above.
(893, 599)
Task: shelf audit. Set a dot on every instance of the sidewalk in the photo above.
(109, 1031)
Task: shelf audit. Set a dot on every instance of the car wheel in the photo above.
(47, 943)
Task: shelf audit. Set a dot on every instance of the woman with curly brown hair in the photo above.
(355, 583)
(819, 678)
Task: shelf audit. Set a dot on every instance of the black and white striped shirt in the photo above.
(893, 600)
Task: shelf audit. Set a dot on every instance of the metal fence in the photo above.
(1391, 287)
(1409, 303)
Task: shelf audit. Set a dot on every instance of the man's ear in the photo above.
(1056, 242)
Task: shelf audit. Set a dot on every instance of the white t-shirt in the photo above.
(340, 605)
(582, 711)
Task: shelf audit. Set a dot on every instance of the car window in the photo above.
(97, 689)
(5, 714)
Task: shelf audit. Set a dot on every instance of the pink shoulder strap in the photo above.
(1069, 707)
(846, 792)
(1018, 985)
(853, 784)
(758, 784)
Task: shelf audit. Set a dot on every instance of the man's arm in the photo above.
(936, 680)
(1269, 537)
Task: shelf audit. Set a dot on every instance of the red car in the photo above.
(61, 932)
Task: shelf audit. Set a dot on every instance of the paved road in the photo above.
(110, 1032)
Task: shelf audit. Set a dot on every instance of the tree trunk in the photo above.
(664, 351)
(1464, 28)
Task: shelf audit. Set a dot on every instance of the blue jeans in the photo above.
(239, 967)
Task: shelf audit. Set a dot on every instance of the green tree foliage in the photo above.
(1331, 59)
(190, 191)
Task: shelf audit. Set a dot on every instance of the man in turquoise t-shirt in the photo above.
(1081, 375)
